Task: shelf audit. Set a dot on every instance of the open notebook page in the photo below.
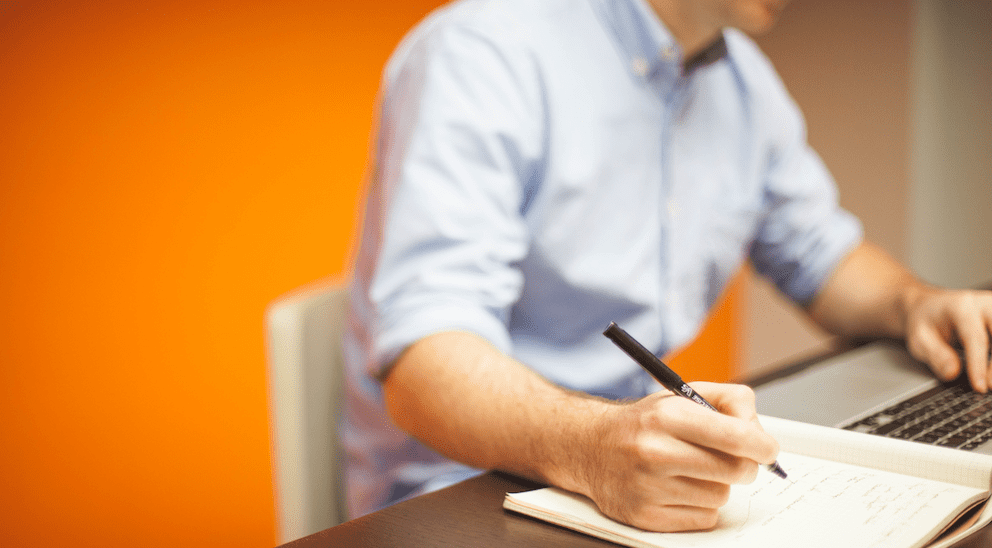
(899, 456)
(824, 503)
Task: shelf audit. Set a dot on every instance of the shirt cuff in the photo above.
(400, 332)
(821, 263)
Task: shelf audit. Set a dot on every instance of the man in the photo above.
(544, 167)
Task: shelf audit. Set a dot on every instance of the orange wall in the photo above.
(166, 170)
(715, 354)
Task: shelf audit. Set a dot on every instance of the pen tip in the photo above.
(777, 470)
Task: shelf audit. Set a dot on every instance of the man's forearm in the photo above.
(868, 295)
(462, 397)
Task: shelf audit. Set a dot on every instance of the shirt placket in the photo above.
(672, 88)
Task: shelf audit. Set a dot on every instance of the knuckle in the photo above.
(746, 472)
(643, 449)
(744, 392)
(721, 496)
(664, 409)
(707, 519)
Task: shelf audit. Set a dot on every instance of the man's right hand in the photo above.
(665, 463)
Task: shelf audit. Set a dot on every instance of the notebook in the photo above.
(844, 489)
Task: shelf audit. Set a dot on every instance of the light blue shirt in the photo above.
(545, 167)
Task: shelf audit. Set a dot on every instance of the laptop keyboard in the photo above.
(947, 415)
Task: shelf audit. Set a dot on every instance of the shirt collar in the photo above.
(646, 43)
(710, 54)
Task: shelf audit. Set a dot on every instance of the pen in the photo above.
(668, 378)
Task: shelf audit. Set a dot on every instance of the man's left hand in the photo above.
(940, 319)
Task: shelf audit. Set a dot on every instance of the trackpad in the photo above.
(845, 386)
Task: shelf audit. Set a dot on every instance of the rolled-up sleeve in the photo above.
(805, 233)
(458, 141)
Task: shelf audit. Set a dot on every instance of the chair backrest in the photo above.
(305, 374)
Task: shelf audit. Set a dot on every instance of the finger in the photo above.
(732, 436)
(928, 346)
(676, 504)
(672, 503)
(723, 469)
(735, 400)
(687, 491)
(987, 313)
(673, 519)
(973, 333)
(677, 458)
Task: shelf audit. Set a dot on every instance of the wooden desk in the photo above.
(471, 514)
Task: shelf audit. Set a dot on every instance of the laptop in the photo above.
(880, 389)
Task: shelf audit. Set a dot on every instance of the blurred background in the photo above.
(167, 169)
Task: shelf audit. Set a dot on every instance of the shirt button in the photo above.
(640, 66)
(668, 53)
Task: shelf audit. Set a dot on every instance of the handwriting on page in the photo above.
(840, 504)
